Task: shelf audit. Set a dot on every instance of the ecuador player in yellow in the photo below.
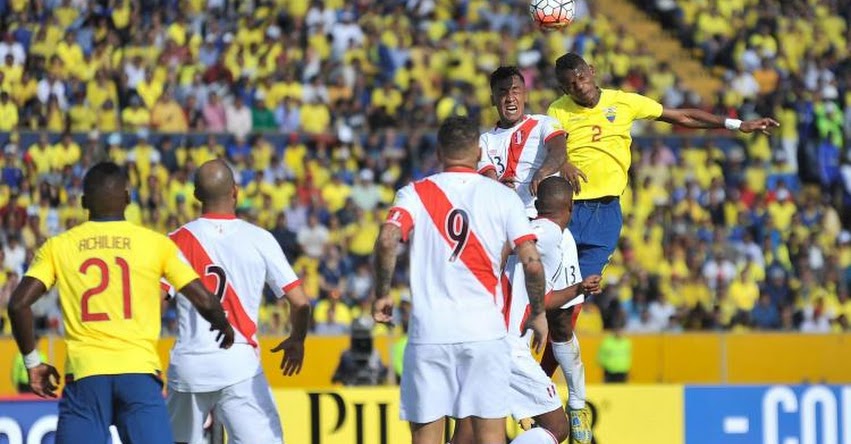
(108, 272)
(598, 124)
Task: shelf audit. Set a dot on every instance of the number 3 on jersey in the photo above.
(500, 168)
(458, 230)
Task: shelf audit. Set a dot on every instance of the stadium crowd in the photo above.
(325, 108)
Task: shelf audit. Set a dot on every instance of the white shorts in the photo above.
(455, 380)
(532, 392)
(246, 409)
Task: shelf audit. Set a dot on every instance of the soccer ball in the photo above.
(552, 14)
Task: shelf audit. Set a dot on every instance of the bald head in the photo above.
(214, 183)
(555, 194)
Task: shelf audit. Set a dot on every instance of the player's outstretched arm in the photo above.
(553, 162)
(557, 299)
(210, 309)
(43, 377)
(293, 346)
(695, 118)
(385, 264)
(533, 270)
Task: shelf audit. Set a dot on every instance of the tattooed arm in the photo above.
(385, 264)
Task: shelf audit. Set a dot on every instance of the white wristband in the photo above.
(32, 359)
(732, 124)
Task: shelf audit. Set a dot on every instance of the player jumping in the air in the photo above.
(108, 271)
(236, 260)
(522, 149)
(458, 360)
(533, 394)
(598, 123)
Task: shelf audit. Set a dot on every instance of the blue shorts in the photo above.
(596, 226)
(133, 403)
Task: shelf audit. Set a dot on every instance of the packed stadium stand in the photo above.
(326, 108)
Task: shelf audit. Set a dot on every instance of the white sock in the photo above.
(569, 358)
(538, 435)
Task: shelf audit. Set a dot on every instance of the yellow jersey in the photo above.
(108, 275)
(598, 138)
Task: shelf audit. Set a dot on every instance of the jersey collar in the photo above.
(218, 216)
(107, 219)
(460, 169)
(519, 122)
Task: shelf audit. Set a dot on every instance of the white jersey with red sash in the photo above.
(561, 270)
(516, 153)
(457, 224)
(235, 259)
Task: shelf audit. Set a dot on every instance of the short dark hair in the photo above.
(553, 192)
(570, 61)
(505, 72)
(103, 175)
(456, 135)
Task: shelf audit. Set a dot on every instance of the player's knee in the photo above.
(561, 325)
(556, 423)
(561, 335)
(561, 431)
(463, 432)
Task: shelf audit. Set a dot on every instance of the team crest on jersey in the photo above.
(518, 136)
(610, 113)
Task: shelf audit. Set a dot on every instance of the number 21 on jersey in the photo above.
(101, 266)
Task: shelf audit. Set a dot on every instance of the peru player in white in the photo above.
(533, 395)
(235, 259)
(457, 223)
(522, 149)
(508, 94)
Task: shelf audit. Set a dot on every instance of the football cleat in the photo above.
(580, 426)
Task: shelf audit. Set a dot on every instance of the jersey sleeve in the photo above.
(550, 127)
(549, 247)
(403, 210)
(279, 274)
(43, 267)
(518, 228)
(643, 107)
(485, 163)
(176, 270)
(570, 260)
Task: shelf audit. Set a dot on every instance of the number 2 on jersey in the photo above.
(458, 229)
(596, 133)
(88, 316)
(221, 280)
